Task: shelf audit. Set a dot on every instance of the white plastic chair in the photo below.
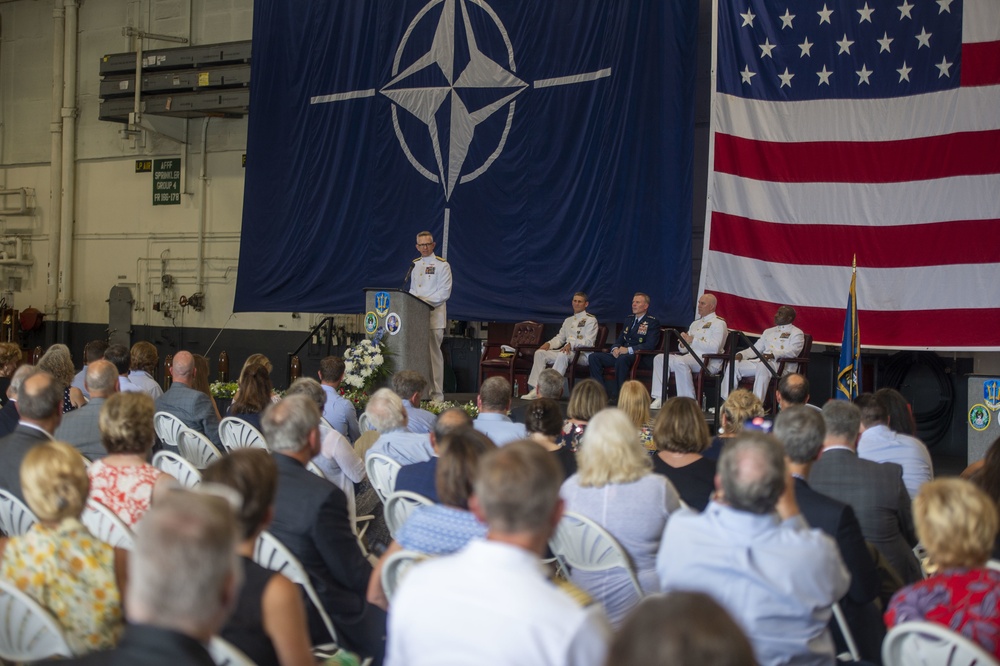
(399, 506)
(15, 517)
(364, 423)
(993, 564)
(179, 468)
(580, 543)
(931, 644)
(105, 524)
(395, 567)
(168, 427)
(238, 434)
(853, 653)
(271, 554)
(28, 632)
(225, 653)
(314, 468)
(197, 449)
(382, 471)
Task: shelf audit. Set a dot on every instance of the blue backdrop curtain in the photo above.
(587, 182)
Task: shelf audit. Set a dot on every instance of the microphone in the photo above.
(407, 277)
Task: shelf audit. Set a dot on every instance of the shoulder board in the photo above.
(587, 314)
(582, 599)
(417, 259)
(440, 258)
(720, 319)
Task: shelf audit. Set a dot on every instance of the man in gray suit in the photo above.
(190, 405)
(39, 401)
(874, 490)
(79, 427)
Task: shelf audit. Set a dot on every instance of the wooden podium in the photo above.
(406, 321)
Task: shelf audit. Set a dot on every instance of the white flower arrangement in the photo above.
(365, 364)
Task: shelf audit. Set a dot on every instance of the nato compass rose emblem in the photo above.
(461, 89)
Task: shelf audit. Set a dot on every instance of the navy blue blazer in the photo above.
(645, 335)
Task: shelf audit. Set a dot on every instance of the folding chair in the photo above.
(395, 567)
(179, 468)
(580, 543)
(28, 631)
(382, 471)
(931, 644)
(398, 507)
(225, 653)
(197, 449)
(168, 427)
(271, 554)
(105, 524)
(238, 434)
(15, 517)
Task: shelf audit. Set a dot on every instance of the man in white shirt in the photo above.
(579, 330)
(706, 335)
(879, 443)
(430, 281)
(492, 603)
(783, 340)
(410, 385)
(338, 411)
(494, 403)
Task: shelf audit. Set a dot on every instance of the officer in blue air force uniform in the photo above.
(642, 331)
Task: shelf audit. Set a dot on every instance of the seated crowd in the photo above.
(732, 551)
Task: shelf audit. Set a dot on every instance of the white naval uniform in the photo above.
(430, 281)
(579, 330)
(783, 341)
(709, 336)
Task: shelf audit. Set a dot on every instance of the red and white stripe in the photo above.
(910, 185)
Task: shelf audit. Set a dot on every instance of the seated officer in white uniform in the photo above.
(706, 335)
(780, 341)
(580, 330)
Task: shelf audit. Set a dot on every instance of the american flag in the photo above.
(867, 127)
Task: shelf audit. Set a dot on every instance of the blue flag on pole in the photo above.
(546, 145)
(850, 347)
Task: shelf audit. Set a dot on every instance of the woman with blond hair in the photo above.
(633, 399)
(588, 398)
(681, 435)
(614, 487)
(741, 406)
(57, 362)
(957, 524)
(58, 562)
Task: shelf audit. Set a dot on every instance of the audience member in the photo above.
(579, 330)
(681, 435)
(741, 406)
(801, 431)
(793, 389)
(268, 623)
(898, 411)
(446, 527)
(705, 335)
(752, 551)
(875, 491)
(252, 396)
(57, 362)
(957, 524)
(420, 477)
(385, 412)
(143, 359)
(200, 382)
(586, 399)
(550, 385)
(680, 629)
(184, 576)
(195, 409)
(8, 414)
(10, 358)
(494, 404)
(92, 351)
(311, 519)
(58, 562)
(264, 361)
(121, 358)
(544, 424)
(613, 487)
(880, 444)
(633, 400)
(124, 481)
(986, 474)
(410, 386)
(79, 427)
(39, 402)
(491, 602)
(339, 412)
